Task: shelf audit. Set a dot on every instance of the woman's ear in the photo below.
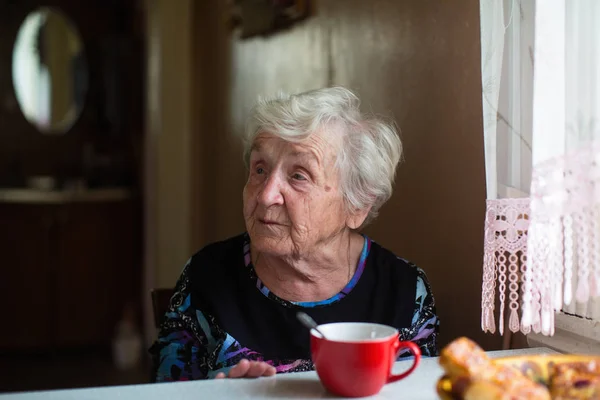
(356, 218)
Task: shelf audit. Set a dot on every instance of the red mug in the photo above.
(356, 359)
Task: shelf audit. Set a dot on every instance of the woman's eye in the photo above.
(298, 177)
(260, 170)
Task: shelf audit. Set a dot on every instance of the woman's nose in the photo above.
(270, 193)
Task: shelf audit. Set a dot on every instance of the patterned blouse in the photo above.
(222, 313)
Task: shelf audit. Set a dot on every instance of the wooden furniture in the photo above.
(160, 304)
(69, 268)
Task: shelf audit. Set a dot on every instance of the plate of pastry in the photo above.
(470, 374)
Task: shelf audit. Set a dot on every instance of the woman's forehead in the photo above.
(318, 145)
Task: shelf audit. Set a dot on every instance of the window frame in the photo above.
(573, 334)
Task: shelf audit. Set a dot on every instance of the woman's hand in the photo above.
(248, 369)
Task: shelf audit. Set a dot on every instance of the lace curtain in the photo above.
(541, 96)
(507, 38)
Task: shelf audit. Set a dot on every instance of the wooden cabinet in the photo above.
(25, 292)
(68, 270)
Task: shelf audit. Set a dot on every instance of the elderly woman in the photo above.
(319, 171)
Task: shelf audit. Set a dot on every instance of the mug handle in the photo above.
(416, 352)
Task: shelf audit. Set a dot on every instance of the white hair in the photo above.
(370, 151)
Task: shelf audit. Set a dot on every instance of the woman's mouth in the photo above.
(268, 222)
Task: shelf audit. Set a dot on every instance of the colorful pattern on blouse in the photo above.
(191, 345)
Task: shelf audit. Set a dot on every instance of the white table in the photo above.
(419, 385)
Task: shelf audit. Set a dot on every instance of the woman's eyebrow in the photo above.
(256, 146)
(309, 156)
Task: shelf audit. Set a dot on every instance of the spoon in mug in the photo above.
(308, 322)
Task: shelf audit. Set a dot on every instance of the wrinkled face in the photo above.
(292, 200)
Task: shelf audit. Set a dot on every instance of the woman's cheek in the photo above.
(249, 200)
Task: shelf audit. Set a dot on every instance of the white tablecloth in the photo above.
(419, 385)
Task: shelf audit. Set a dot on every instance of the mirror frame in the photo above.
(66, 125)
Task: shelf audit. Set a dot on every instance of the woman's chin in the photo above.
(270, 244)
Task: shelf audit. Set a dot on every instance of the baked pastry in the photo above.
(575, 381)
(475, 376)
(470, 374)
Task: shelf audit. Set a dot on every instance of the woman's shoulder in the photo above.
(222, 248)
(387, 261)
(220, 253)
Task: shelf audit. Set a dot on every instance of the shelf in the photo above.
(63, 196)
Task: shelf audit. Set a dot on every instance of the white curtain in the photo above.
(543, 251)
(507, 38)
(564, 234)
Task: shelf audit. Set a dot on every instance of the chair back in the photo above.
(161, 298)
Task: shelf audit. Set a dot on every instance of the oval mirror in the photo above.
(49, 71)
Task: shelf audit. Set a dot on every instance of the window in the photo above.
(541, 109)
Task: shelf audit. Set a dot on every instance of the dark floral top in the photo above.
(194, 343)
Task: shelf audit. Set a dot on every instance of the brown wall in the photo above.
(417, 61)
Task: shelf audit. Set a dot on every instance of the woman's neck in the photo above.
(323, 273)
